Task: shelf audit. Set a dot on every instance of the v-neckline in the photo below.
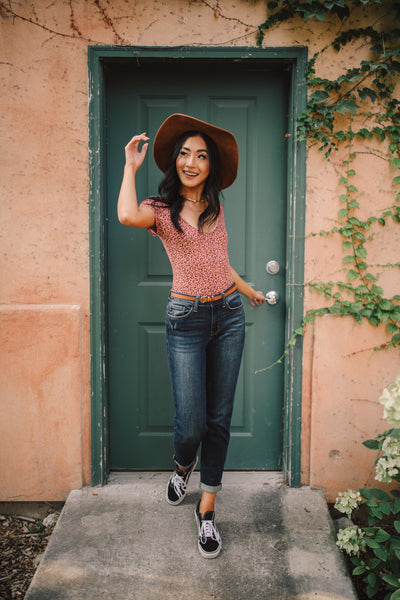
(197, 229)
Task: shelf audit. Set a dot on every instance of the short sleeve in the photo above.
(149, 202)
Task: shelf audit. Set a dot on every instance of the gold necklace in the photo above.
(202, 199)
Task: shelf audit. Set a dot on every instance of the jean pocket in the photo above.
(234, 301)
(178, 310)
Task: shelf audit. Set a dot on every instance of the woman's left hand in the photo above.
(257, 298)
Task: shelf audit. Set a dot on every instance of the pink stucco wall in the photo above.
(44, 302)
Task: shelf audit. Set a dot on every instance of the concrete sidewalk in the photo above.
(123, 541)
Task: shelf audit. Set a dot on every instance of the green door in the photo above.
(253, 104)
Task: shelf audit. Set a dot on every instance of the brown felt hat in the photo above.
(177, 124)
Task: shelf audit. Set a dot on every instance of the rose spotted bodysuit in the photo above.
(199, 260)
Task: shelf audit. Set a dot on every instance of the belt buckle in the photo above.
(205, 299)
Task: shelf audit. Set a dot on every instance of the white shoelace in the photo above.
(208, 530)
(179, 484)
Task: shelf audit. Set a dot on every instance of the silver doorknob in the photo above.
(272, 267)
(272, 297)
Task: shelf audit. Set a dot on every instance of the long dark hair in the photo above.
(169, 188)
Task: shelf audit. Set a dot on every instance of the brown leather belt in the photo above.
(203, 299)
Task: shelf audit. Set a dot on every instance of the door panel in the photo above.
(253, 105)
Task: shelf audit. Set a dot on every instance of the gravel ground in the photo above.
(23, 541)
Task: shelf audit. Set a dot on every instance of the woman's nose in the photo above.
(189, 159)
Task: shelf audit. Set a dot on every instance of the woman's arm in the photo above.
(246, 289)
(129, 213)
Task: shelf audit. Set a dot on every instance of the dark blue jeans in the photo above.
(204, 346)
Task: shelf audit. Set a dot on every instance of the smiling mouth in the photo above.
(188, 174)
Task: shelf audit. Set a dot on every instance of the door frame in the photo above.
(291, 57)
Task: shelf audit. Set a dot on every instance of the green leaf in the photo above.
(391, 580)
(375, 493)
(351, 275)
(367, 93)
(380, 133)
(386, 508)
(348, 259)
(360, 252)
(359, 570)
(397, 526)
(382, 535)
(343, 212)
(353, 204)
(386, 304)
(372, 589)
(395, 595)
(392, 328)
(395, 542)
(371, 445)
(319, 96)
(381, 553)
(364, 133)
(374, 562)
(346, 105)
(395, 162)
(396, 180)
(360, 236)
(377, 513)
(340, 135)
(373, 544)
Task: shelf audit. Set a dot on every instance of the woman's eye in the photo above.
(203, 156)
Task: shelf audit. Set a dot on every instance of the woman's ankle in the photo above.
(207, 503)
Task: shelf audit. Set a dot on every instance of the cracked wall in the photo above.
(45, 441)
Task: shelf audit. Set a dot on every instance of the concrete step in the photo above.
(123, 541)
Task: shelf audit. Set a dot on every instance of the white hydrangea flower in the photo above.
(351, 540)
(387, 467)
(391, 447)
(391, 402)
(346, 502)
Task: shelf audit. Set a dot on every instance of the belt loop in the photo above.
(223, 298)
(196, 304)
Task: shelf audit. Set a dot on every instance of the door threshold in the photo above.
(230, 478)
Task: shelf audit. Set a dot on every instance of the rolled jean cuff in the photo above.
(184, 467)
(212, 489)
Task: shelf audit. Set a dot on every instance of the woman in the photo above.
(205, 315)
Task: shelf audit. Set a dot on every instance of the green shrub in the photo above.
(373, 543)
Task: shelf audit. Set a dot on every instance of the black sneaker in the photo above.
(209, 543)
(177, 484)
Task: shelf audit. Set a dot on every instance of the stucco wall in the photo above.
(44, 312)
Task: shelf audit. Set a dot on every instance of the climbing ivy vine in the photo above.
(356, 113)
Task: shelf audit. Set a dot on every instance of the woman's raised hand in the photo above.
(132, 154)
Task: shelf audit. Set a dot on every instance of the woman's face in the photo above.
(193, 164)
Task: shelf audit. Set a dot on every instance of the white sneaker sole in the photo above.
(202, 552)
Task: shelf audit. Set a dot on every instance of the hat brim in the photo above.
(177, 124)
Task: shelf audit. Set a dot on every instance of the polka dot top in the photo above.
(199, 260)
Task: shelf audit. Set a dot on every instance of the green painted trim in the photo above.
(295, 277)
(99, 400)
(97, 57)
